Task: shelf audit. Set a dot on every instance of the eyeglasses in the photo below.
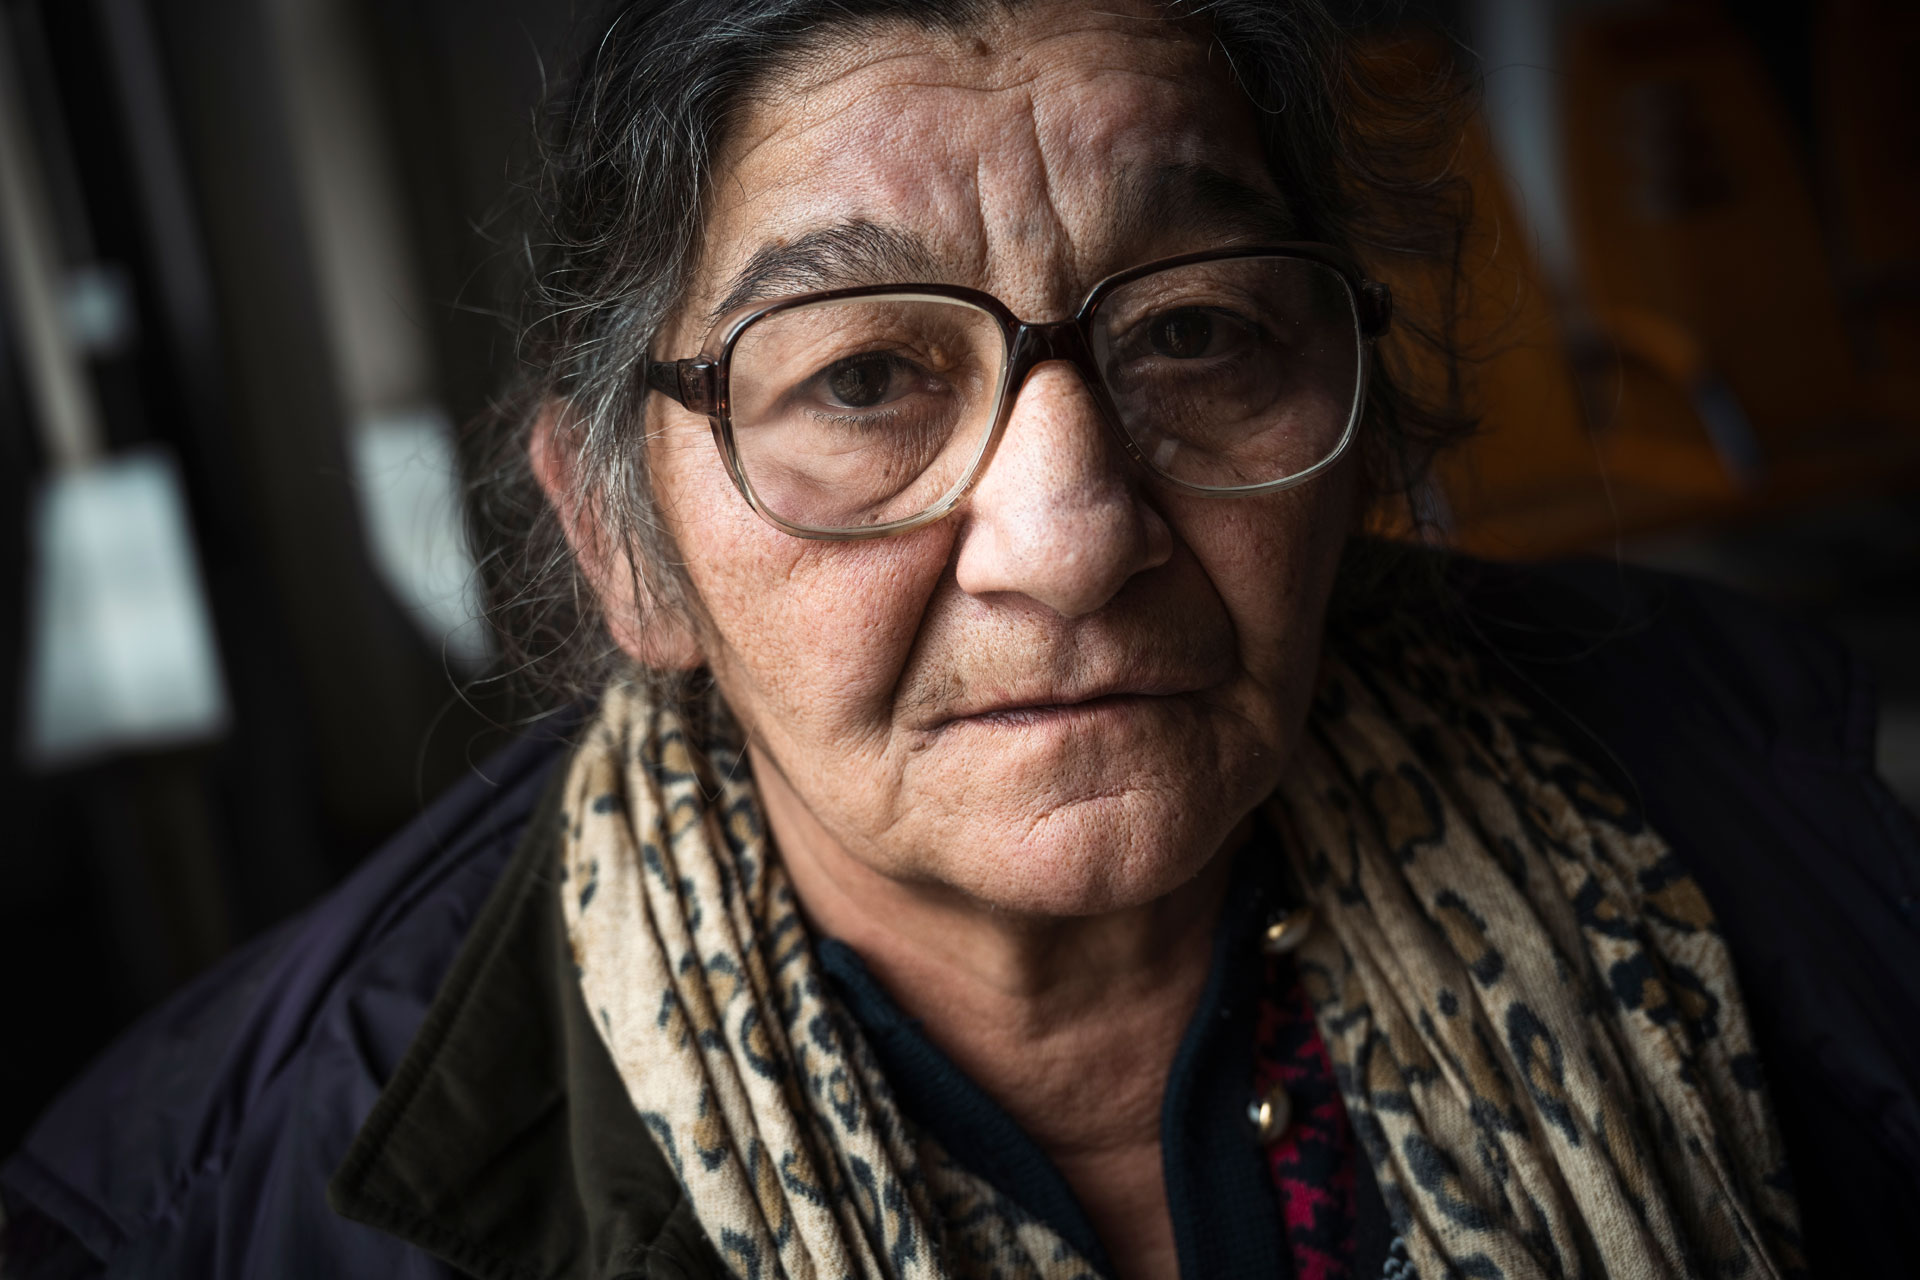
(862, 412)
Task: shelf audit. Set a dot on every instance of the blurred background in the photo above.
(252, 256)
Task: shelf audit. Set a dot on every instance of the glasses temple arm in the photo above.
(1376, 308)
(688, 382)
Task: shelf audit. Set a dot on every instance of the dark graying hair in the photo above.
(1361, 144)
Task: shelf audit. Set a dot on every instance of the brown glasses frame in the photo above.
(700, 383)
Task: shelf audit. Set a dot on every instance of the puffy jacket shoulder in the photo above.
(201, 1143)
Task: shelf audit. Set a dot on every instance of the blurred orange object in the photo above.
(1699, 369)
(1691, 203)
(1538, 478)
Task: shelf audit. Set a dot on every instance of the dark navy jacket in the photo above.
(203, 1143)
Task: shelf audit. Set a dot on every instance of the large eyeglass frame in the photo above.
(701, 383)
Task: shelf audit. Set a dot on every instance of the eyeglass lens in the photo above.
(1226, 374)
(858, 412)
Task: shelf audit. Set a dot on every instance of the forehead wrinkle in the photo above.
(1147, 207)
(1205, 201)
(1032, 235)
(854, 47)
(974, 228)
(961, 57)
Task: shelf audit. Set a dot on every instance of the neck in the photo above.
(1071, 1024)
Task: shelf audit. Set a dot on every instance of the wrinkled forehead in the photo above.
(1031, 156)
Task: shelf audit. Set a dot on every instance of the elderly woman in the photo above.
(1020, 829)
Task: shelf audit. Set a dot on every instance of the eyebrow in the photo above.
(1196, 199)
(836, 257)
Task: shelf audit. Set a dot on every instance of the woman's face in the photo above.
(1063, 698)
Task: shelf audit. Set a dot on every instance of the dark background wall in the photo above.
(168, 137)
(296, 208)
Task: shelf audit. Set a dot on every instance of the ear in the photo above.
(646, 630)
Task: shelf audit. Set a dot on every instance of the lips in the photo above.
(1030, 704)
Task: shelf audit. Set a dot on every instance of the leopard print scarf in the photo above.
(755, 1083)
(1532, 1017)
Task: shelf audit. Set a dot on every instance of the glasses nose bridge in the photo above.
(1038, 344)
(1063, 340)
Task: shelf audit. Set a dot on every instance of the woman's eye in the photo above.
(862, 381)
(1181, 335)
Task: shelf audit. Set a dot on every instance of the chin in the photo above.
(1091, 856)
(1082, 820)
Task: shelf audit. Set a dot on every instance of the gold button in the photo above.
(1271, 1115)
(1287, 931)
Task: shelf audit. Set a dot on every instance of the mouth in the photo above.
(1090, 706)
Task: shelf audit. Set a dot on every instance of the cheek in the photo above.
(819, 633)
(1272, 560)
(806, 638)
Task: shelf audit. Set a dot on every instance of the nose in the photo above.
(1058, 516)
